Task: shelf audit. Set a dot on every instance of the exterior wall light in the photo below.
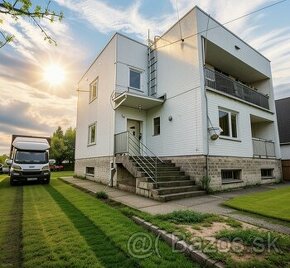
(170, 118)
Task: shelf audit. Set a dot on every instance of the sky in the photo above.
(30, 105)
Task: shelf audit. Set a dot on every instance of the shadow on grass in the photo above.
(107, 252)
(11, 248)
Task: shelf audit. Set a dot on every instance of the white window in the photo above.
(94, 89)
(156, 126)
(135, 79)
(92, 134)
(228, 123)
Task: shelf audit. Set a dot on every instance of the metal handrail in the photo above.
(134, 147)
(223, 83)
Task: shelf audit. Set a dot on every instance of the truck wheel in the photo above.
(12, 182)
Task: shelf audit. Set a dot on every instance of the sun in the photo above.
(54, 74)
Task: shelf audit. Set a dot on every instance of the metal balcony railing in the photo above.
(263, 148)
(223, 83)
(126, 143)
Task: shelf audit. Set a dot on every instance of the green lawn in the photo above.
(274, 204)
(57, 225)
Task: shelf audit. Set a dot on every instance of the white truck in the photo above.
(29, 159)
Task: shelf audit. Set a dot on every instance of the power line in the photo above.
(228, 22)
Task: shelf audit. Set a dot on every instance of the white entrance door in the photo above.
(133, 126)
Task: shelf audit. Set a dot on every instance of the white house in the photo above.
(195, 103)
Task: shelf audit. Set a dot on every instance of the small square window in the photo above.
(234, 174)
(90, 171)
(267, 173)
(156, 127)
(92, 134)
(94, 89)
(135, 79)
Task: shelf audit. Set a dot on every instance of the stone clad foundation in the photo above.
(195, 167)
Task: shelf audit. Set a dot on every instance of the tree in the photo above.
(69, 142)
(63, 145)
(26, 9)
(3, 158)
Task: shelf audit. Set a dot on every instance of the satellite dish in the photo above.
(214, 132)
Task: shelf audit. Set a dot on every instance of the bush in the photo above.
(102, 195)
(184, 216)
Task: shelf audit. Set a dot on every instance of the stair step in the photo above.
(173, 190)
(168, 197)
(163, 174)
(177, 183)
(170, 178)
(161, 169)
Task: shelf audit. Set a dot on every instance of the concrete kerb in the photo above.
(181, 245)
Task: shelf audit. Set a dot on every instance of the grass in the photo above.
(57, 225)
(274, 204)
(274, 247)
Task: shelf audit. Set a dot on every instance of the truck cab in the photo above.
(29, 160)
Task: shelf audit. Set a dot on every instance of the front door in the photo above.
(133, 126)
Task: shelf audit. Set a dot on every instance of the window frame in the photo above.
(153, 121)
(230, 126)
(96, 83)
(267, 177)
(232, 171)
(89, 134)
(90, 174)
(136, 71)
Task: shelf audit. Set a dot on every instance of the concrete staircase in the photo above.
(171, 182)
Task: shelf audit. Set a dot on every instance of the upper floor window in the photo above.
(156, 126)
(94, 89)
(228, 123)
(135, 79)
(92, 134)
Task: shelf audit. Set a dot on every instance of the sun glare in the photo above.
(54, 75)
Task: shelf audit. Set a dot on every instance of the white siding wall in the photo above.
(99, 110)
(285, 152)
(243, 147)
(178, 73)
(130, 54)
(227, 41)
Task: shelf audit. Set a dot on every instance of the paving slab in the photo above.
(163, 208)
(135, 201)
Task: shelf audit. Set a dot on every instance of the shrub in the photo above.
(184, 216)
(102, 195)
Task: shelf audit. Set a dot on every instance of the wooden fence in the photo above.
(286, 169)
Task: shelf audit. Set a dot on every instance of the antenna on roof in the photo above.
(177, 11)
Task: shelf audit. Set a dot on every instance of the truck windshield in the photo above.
(31, 157)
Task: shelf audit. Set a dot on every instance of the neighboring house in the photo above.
(198, 97)
(283, 117)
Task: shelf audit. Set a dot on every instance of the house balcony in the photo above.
(134, 100)
(263, 148)
(263, 137)
(220, 82)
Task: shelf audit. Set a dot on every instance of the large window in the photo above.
(92, 134)
(135, 79)
(156, 126)
(94, 89)
(31, 157)
(228, 123)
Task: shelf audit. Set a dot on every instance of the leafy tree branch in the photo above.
(26, 9)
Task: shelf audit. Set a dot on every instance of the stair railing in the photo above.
(125, 142)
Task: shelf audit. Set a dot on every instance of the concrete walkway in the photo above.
(205, 204)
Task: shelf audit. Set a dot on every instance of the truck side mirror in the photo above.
(8, 162)
(52, 162)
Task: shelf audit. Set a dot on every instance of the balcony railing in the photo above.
(223, 83)
(263, 148)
